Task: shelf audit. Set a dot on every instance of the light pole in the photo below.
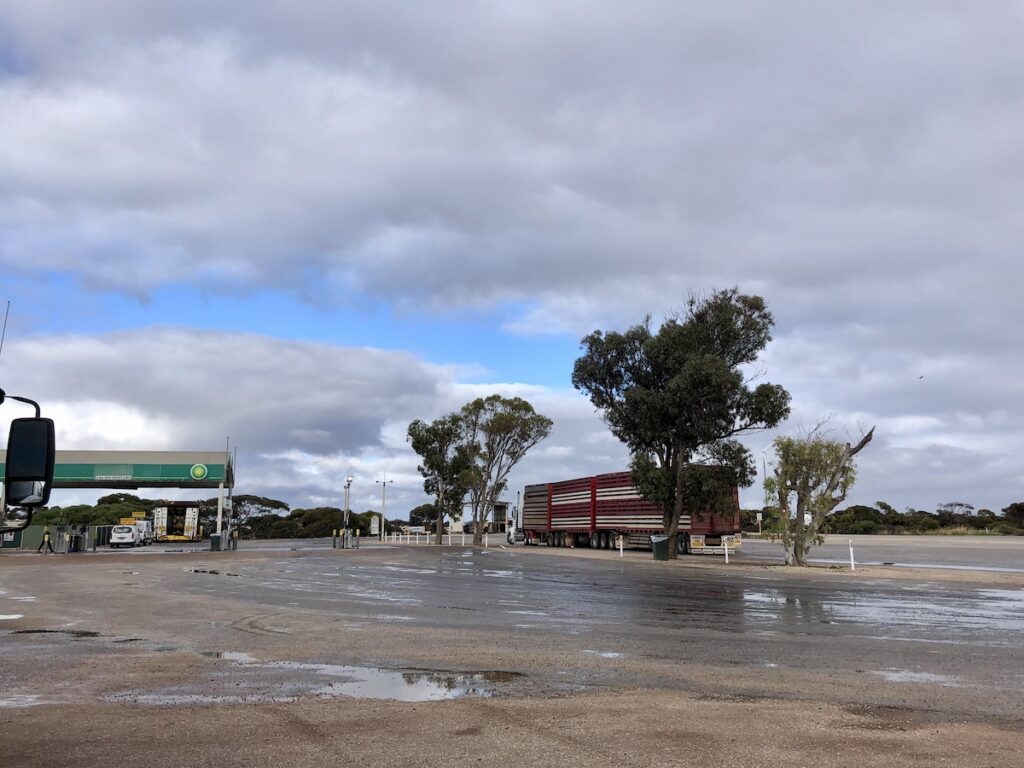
(764, 473)
(344, 530)
(383, 502)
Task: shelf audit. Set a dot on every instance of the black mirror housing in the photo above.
(28, 473)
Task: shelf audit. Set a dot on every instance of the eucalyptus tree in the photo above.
(680, 396)
(445, 459)
(497, 433)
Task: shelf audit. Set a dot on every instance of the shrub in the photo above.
(862, 526)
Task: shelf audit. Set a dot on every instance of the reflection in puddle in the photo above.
(243, 658)
(607, 654)
(10, 616)
(983, 609)
(374, 683)
(906, 676)
(20, 700)
(250, 680)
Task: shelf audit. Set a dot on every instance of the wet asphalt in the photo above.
(948, 634)
(560, 621)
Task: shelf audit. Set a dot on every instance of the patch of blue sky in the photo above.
(471, 339)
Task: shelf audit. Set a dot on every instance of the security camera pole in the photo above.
(383, 502)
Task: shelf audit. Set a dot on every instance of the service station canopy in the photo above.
(140, 469)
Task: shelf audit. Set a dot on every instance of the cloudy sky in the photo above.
(302, 225)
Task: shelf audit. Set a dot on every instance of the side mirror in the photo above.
(28, 475)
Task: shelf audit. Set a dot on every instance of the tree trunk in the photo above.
(439, 523)
(672, 519)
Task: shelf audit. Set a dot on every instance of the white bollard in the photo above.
(449, 539)
(487, 539)
(463, 539)
(852, 566)
(725, 546)
(621, 544)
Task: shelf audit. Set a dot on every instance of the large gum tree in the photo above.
(497, 433)
(444, 461)
(679, 398)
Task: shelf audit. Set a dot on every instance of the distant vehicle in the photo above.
(145, 531)
(178, 521)
(125, 536)
(595, 511)
(145, 528)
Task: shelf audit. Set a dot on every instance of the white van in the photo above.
(124, 536)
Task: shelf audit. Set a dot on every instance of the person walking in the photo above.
(46, 541)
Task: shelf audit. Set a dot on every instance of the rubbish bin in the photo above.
(74, 543)
(215, 543)
(659, 544)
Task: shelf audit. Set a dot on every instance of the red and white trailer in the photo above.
(595, 511)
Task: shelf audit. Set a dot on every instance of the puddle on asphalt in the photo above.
(23, 599)
(20, 700)
(213, 572)
(985, 609)
(402, 685)
(68, 632)
(11, 616)
(249, 680)
(906, 676)
(243, 658)
(606, 654)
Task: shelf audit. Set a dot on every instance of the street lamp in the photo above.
(344, 530)
(383, 502)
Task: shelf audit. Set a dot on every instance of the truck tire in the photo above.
(595, 540)
(682, 544)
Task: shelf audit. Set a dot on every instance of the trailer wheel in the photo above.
(682, 544)
(595, 540)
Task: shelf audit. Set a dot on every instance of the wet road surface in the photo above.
(562, 622)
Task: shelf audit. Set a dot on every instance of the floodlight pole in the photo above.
(383, 502)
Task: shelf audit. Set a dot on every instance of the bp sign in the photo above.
(199, 472)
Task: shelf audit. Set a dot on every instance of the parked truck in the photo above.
(596, 511)
(178, 521)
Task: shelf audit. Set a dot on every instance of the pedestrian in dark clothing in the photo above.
(46, 541)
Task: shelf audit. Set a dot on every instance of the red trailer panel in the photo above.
(594, 510)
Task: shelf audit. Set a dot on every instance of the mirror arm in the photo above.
(33, 403)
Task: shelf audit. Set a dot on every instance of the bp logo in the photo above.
(199, 472)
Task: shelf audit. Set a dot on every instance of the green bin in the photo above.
(215, 543)
(659, 545)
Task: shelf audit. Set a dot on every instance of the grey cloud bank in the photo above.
(858, 165)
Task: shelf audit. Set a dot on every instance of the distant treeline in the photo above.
(256, 516)
(954, 517)
(264, 518)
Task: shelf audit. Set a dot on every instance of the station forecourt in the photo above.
(134, 470)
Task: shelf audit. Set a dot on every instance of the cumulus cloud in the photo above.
(578, 165)
(303, 416)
